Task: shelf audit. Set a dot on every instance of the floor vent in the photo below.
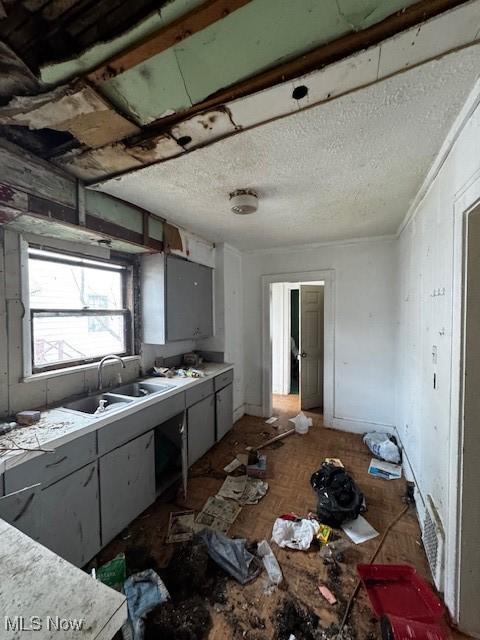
(434, 542)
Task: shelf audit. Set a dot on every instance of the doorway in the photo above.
(297, 346)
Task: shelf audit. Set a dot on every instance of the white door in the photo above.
(311, 346)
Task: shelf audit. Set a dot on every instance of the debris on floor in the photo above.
(181, 526)
(294, 534)
(112, 573)
(335, 461)
(144, 592)
(243, 489)
(385, 470)
(383, 446)
(270, 563)
(327, 594)
(338, 497)
(231, 555)
(271, 420)
(280, 436)
(359, 530)
(257, 465)
(218, 514)
(302, 423)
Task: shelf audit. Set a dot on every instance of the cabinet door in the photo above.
(71, 516)
(224, 406)
(188, 300)
(22, 509)
(201, 428)
(127, 484)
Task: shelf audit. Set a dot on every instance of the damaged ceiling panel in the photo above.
(77, 109)
(234, 48)
(117, 158)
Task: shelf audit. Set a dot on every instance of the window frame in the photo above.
(129, 276)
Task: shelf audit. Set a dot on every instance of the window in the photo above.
(78, 309)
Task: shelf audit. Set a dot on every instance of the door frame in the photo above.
(466, 202)
(304, 277)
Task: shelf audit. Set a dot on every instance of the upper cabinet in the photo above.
(177, 300)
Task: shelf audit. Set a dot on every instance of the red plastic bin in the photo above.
(403, 598)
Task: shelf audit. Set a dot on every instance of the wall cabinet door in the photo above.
(70, 523)
(189, 300)
(224, 410)
(127, 484)
(201, 428)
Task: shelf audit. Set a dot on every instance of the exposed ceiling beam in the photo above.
(199, 18)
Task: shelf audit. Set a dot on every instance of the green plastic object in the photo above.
(113, 573)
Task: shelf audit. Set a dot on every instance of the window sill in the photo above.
(46, 375)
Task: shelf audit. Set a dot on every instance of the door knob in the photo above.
(303, 354)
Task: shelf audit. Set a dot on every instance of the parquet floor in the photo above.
(289, 469)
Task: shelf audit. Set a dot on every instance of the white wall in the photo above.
(364, 309)
(279, 326)
(428, 276)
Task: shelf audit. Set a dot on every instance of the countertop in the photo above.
(58, 425)
(37, 585)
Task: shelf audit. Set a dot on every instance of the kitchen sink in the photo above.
(140, 389)
(91, 403)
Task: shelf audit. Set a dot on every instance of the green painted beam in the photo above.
(253, 38)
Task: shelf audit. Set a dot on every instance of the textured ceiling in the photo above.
(345, 169)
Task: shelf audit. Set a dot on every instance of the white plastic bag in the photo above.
(296, 535)
(270, 562)
(301, 423)
(382, 447)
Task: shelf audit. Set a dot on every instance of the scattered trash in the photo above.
(382, 446)
(257, 465)
(271, 420)
(28, 418)
(327, 594)
(295, 535)
(232, 466)
(231, 555)
(334, 550)
(243, 489)
(270, 563)
(218, 514)
(301, 422)
(181, 526)
(323, 534)
(359, 530)
(293, 619)
(385, 470)
(275, 439)
(405, 602)
(189, 619)
(144, 591)
(338, 498)
(335, 461)
(113, 573)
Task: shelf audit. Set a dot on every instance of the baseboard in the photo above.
(360, 426)
(254, 410)
(238, 412)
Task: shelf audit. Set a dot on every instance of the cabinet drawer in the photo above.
(47, 468)
(198, 392)
(223, 379)
(117, 433)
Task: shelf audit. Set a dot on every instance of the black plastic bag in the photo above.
(339, 499)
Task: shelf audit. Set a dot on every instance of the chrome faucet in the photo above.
(100, 368)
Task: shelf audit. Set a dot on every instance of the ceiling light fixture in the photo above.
(243, 201)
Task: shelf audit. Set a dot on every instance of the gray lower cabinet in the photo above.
(127, 484)
(224, 411)
(22, 509)
(71, 516)
(201, 428)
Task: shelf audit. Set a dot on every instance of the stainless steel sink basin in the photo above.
(140, 389)
(91, 403)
